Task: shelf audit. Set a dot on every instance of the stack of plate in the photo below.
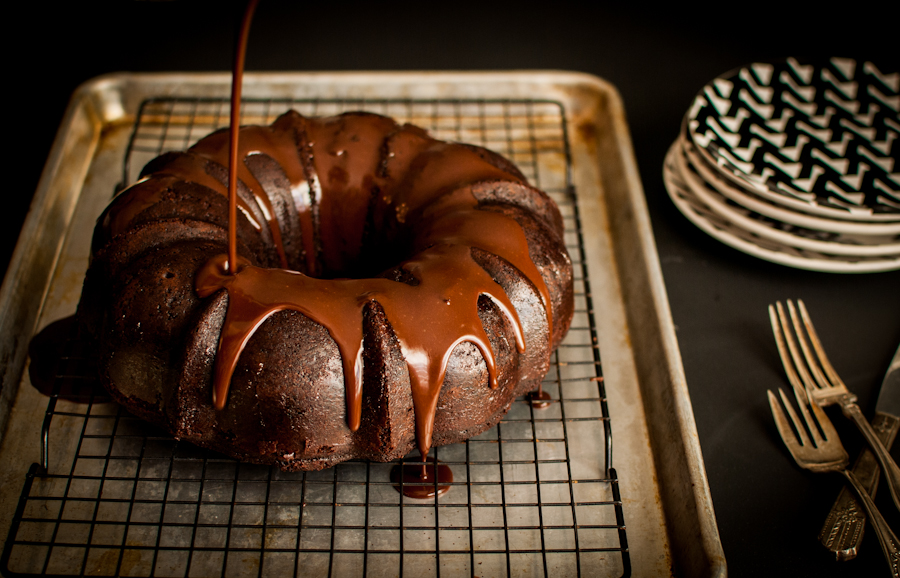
(796, 163)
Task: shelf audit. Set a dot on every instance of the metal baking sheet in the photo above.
(564, 505)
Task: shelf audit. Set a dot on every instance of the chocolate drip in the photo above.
(237, 83)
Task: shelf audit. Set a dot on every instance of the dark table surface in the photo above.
(768, 510)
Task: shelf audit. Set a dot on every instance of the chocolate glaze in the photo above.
(430, 317)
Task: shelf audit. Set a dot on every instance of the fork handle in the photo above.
(889, 544)
(888, 465)
(843, 529)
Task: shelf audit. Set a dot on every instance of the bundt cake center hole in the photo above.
(374, 260)
(394, 273)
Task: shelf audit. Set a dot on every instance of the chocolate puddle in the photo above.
(57, 364)
(422, 481)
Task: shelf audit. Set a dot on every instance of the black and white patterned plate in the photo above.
(817, 137)
(761, 246)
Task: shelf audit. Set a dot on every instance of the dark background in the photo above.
(768, 510)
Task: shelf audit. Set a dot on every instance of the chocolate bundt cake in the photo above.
(391, 291)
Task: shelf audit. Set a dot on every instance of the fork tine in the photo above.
(828, 454)
(777, 321)
(788, 434)
(799, 362)
(828, 432)
(802, 329)
(781, 423)
(812, 425)
(817, 345)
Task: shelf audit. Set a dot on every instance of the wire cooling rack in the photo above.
(534, 496)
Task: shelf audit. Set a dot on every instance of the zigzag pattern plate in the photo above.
(820, 138)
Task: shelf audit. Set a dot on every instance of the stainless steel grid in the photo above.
(534, 496)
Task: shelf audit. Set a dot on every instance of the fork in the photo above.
(824, 387)
(823, 452)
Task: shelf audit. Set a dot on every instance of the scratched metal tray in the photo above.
(543, 493)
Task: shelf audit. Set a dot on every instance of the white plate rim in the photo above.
(718, 203)
(762, 206)
(670, 177)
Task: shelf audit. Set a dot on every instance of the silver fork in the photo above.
(821, 381)
(823, 452)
